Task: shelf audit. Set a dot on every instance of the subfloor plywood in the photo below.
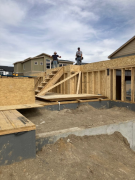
(22, 106)
(13, 122)
(70, 97)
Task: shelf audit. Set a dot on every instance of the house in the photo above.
(37, 64)
(6, 70)
(127, 49)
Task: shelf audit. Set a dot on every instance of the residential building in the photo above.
(37, 64)
(6, 70)
(127, 49)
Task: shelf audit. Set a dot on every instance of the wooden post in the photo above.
(132, 84)
(114, 84)
(122, 84)
(93, 78)
(99, 83)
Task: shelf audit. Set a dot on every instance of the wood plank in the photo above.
(58, 83)
(78, 83)
(99, 82)
(12, 122)
(70, 97)
(114, 84)
(132, 84)
(123, 84)
(23, 106)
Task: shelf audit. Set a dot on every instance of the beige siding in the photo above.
(18, 68)
(38, 67)
(15, 68)
(128, 49)
(27, 66)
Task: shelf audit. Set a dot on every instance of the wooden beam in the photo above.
(59, 83)
(132, 84)
(78, 84)
(114, 84)
(123, 84)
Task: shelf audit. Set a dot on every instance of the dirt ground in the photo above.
(84, 116)
(103, 157)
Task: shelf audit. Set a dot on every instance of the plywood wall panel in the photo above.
(15, 91)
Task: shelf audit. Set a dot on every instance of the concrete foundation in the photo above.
(127, 129)
(16, 147)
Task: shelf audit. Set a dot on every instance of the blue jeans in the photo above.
(55, 64)
(79, 61)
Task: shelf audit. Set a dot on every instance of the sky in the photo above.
(32, 27)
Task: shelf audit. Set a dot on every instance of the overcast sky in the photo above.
(31, 27)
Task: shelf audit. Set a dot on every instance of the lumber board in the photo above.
(123, 84)
(114, 84)
(12, 121)
(70, 97)
(132, 84)
(46, 90)
(22, 106)
(78, 83)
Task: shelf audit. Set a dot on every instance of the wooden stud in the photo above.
(114, 84)
(93, 84)
(132, 84)
(122, 84)
(99, 82)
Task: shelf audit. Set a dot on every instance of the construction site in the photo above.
(69, 122)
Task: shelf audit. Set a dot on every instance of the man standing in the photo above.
(79, 56)
(55, 60)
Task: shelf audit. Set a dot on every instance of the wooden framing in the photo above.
(78, 84)
(46, 90)
(114, 84)
(133, 84)
(123, 84)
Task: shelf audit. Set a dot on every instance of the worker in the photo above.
(79, 56)
(55, 59)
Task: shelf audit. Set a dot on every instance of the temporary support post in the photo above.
(132, 84)
(78, 84)
(114, 84)
(123, 84)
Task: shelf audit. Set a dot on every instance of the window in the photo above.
(23, 66)
(60, 65)
(41, 63)
(36, 63)
(48, 64)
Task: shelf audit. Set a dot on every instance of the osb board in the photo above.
(13, 122)
(21, 106)
(103, 82)
(14, 91)
(70, 97)
(114, 63)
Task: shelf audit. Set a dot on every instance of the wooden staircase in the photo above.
(49, 81)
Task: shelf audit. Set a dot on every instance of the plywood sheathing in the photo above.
(13, 122)
(14, 91)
